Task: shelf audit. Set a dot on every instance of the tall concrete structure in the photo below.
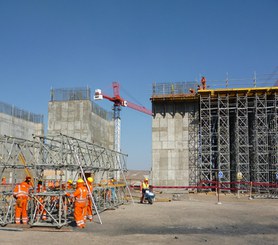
(19, 123)
(215, 134)
(174, 134)
(71, 112)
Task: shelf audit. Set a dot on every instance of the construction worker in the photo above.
(111, 184)
(20, 193)
(68, 186)
(204, 83)
(80, 203)
(4, 182)
(41, 212)
(192, 91)
(89, 213)
(144, 186)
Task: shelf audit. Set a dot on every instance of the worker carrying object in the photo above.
(89, 209)
(80, 203)
(20, 193)
(144, 186)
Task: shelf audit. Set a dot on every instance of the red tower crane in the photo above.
(118, 103)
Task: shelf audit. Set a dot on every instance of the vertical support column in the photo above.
(260, 166)
(223, 139)
(273, 139)
(117, 133)
(193, 127)
(205, 150)
(242, 138)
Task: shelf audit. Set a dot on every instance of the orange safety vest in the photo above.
(21, 190)
(80, 194)
(40, 188)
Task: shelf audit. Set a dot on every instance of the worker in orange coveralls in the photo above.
(80, 203)
(41, 210)
(89, 213)
(4, 182)
(204, 83)
(68, 185)
(20, 193)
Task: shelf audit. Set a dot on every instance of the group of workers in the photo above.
(82, 198)
(200, 87)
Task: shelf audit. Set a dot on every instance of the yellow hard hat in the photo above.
(90, 179)
(70, 181)
(146, 179)
(80, 181)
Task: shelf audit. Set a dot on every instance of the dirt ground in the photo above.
(192, 219)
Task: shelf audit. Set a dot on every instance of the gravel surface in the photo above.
(194, 219)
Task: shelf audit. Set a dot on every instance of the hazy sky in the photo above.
(67, 44)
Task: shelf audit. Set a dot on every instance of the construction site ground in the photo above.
(172, 219)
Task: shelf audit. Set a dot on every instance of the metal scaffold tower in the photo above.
(223, 139)
(66, 157)
(273, 138)
(241, 145)
(206, 161)
(260, 164)
(238, 135)
(193, 129)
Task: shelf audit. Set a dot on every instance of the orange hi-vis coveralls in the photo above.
(80, 204)
(41, 212)
(21, 194)
(89, 213)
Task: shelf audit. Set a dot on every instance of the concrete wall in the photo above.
(20, 128)
(170, 145)
(75, 118)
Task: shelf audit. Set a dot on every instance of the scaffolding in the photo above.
(232, 131)
(238, 133)
(67, 157)
(193, 129)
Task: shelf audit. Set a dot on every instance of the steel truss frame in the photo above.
(244, 129)
(57, 153)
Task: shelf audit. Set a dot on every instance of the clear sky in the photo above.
(68, 44)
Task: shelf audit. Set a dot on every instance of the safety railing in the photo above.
(20, 113)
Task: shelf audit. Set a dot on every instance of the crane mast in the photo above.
(117, 130)
(118, 103)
